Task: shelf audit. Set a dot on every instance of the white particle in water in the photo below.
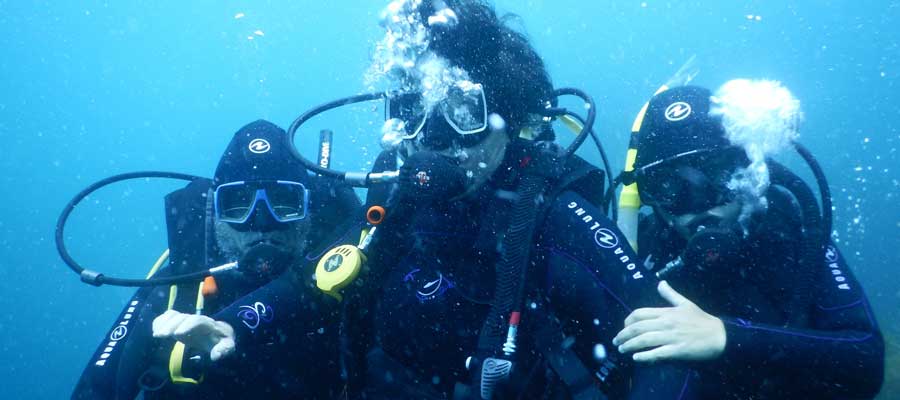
(599, 352)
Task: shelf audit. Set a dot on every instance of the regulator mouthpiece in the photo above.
(264, 261)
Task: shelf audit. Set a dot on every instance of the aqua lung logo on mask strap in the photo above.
(259, 146)
(606, 239)
(119, 332)
(678, 111)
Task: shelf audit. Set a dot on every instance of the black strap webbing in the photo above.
(563, 361)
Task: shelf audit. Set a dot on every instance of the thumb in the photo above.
(222, 349)
(674, 298)
(225, 345)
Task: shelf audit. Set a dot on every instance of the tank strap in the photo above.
(565, 363)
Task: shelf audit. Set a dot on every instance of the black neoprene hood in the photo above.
(678, 121)
(260, 151)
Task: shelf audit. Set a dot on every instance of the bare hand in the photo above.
(196, 331)
(682, 332)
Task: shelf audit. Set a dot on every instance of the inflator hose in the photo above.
(292, 130)
(588, 124)
(96, 278)
(511, 274)
(510, 281)
(824, 191)
(606, 166)
(812, 249)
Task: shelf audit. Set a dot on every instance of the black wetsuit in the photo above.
(433, 296)
(286, 331)
(837, 353)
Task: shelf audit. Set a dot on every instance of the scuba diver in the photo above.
(493, 270)
(245, 332)
(778, 312)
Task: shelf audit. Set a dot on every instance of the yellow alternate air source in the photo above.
(338, 268)
(630, 199)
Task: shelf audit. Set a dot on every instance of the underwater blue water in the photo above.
(93, 88)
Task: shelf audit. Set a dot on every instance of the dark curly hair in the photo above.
(513, 74)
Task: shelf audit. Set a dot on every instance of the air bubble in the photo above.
(599, 352)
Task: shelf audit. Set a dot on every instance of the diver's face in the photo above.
(479, 160)
(235, 241)
(687, 224)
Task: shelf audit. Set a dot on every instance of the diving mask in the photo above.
(464, 108)
(286, 201)
(686, 185)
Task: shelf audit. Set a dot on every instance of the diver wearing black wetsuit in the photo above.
(796, 325)
(285, 331)
(838, 353)
(432, 303)
(495, 273)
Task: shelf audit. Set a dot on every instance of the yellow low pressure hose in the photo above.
(629, 198)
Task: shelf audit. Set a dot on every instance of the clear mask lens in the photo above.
(235, 202)
(464, 108)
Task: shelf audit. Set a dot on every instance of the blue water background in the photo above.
(93, 88)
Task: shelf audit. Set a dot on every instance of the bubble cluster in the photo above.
(403, 58)
(762, 117)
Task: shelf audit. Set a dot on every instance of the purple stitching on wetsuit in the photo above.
(684, 387)
(409, 275)
(592, 273)
(853, 304)
(830, 339)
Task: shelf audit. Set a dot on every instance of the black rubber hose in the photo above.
(292, 130)
(812, 250)
(510, 270)
(589, 121)
(606, 166)
(98, 279)
(824, 190)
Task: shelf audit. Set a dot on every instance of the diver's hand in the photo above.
(196, 331)
(683, 332)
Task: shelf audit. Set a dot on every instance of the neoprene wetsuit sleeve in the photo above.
(840, 354)
(594, 280)
(286, 344)
(125, 352)
(282, 313)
